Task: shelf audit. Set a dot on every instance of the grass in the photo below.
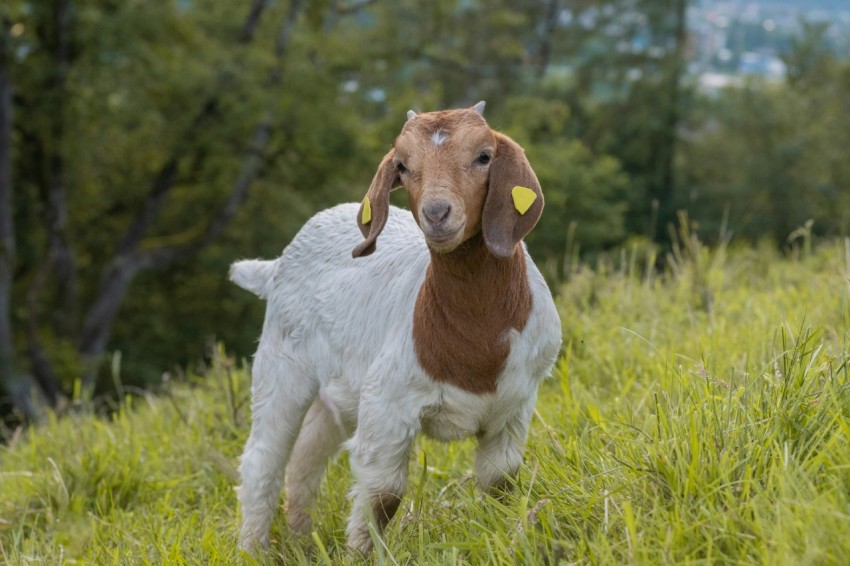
(700, 416)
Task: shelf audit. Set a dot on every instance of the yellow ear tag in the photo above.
(366, 217)
(523, 198)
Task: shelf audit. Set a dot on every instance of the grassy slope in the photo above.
(699, 417)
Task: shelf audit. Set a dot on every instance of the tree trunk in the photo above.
(40, 364)
(7, 227)
(55, 30)
(249, 28)
(664, 167)
(550, 22)
(102, 313)
(61, 254)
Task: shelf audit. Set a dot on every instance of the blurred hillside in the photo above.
(145, 145)
(734, 39)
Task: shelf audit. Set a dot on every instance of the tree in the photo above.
(809, 55)
(7, 229)
(143, 127)
(62, 58)
(771, 153)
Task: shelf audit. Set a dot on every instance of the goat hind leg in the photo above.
(320, 438)
(280, 397)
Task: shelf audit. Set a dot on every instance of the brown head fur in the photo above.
(459, 174)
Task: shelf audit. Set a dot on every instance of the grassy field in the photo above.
(700, 416)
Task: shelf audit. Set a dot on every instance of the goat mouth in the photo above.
(443, 241)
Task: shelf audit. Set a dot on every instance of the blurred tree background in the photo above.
(146, 144)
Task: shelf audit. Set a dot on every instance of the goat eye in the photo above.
(401, 168)
(483, 159)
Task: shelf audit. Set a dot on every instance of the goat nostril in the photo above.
(436, 212)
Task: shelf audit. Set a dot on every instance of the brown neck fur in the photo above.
(463, 311)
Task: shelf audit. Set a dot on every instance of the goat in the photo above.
(447, 334)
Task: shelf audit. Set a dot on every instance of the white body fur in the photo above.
(337, 346)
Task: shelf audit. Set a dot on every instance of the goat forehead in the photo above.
(446, 121)
(427, 137)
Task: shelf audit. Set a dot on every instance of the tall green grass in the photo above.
(698, 416)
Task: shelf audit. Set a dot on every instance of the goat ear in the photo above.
(376, 206)
(514, 199)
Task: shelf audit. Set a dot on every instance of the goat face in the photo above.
(444, 160)
(462, 178)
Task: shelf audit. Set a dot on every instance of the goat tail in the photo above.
(254, 275)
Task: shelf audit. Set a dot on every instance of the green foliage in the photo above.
(597, 95)
(771, 156)
(673, 431)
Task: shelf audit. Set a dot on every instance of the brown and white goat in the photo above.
(448, 334)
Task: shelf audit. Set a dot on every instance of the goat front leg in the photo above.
(500, 451)
(380, 453)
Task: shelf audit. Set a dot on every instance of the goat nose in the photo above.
(436, 211)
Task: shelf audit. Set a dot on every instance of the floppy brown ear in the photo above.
(514, 199)
(375, 208)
